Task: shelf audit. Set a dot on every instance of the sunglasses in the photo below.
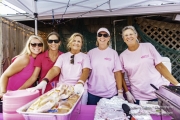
(36, 44)
(72, 59)
(104, 35)
(51, 41)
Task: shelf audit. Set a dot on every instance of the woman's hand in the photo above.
(120, 94)
(41, 85)
(130, 97)
(78, 88)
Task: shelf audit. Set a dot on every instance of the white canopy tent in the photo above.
(62, 9)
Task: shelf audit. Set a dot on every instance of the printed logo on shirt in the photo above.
(109, 59)
(79, 62)
(145, 56)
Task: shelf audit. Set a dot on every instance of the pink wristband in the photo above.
(81, 81)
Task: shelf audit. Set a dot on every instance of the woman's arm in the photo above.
(119, 78)
(53, 72)
(165, 72)
(85, 74)
(20, 63)
(78, 88)
(129, 96)
(32, 79)
(125, 88)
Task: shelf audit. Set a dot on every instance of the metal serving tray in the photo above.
(169, 101)
(172, 95)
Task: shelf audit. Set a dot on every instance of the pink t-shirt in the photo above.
(70, 73)
(141, 71)
(45, 64)
(104, 63)
(18, 79)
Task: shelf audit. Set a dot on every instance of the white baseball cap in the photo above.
(104, 30)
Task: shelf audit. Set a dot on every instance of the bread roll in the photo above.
(62, 111)
(65, 105)
(74, 97)
(71, 102)
(45, 107)
(52, 100)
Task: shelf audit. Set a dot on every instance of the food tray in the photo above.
(111, 109)
(169, 106)
(49, 116)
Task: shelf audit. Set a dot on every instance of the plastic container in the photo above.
(10, 108)
(12, 116)
(19, 96)
(13, 100)
(49, 116)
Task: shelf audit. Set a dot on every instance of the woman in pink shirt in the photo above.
(105, 80)
(144, 66)
(22, 66)
(45, 61)
(72, 66)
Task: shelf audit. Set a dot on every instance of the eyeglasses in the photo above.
(36, 44)
(72, 59)
(51, 41)
(104, 35)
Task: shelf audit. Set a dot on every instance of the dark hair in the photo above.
(54, 33)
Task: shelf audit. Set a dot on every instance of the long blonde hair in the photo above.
(26, 49)
(70, 40)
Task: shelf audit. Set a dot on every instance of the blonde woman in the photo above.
(72, 66)
(105, 80)
(22, 66)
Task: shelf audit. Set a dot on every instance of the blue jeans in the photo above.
(137, 101)
(93, 100)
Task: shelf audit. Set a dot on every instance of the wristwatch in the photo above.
(46, 79)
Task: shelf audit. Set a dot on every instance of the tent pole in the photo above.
(35, 16)
(35, 25)
(114, 24)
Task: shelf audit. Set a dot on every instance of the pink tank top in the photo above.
(18, 79)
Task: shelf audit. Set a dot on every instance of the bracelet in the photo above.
(46, 79)
(120, 91)
(81, 81)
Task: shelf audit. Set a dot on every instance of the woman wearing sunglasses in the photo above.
(45, 61)
(105, 80)
(22, 65)
(72, 66)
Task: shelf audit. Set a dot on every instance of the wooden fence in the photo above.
(13, 36)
